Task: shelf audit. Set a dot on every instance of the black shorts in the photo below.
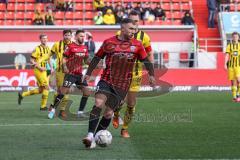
(114, 96)
(70, 79)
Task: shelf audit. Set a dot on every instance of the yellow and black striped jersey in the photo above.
(58, 49)
(233, 49)
(41, 55)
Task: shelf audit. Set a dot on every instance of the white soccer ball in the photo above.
(103, 138)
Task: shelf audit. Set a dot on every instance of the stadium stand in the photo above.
(83, 11)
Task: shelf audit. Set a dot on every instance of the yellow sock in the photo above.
(63, 104)
(31, 92)
(238, 90)
(234, 91)
(128, 116)
(44, 98)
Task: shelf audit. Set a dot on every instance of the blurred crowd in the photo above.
(111, 14)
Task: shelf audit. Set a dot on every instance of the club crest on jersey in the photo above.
(132, 48)
(235, 53)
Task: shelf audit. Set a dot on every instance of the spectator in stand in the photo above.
(49, 18)
(119, 16)
(68, 6)
(148, 14)
(108, 6)
(98, 19)
(187, 19)
(159, 13)
(109, 18)
(128, 6)
(212, 6)
(139, 9)
(98, 5)
(118, 7)
(38, 18)
(60, 5)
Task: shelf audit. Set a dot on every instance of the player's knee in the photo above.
(131, 104)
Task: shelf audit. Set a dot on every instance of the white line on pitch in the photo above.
(39, 124)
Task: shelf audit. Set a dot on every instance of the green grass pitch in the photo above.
(175, 125)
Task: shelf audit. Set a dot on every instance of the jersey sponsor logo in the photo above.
(81, 54)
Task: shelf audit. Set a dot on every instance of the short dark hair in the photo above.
(42, 35)
(235, 33)
(126, 21)
(67, 31)
(80, 31)
(134, 13)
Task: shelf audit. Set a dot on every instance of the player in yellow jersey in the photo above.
(136, 80)
(39, 59)
(58, 49)
(232, 64)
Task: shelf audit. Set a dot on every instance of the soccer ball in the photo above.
(103, 138)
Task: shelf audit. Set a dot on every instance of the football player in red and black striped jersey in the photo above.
(74, 56)
(120, 53)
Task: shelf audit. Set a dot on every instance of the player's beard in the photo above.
(80, 41)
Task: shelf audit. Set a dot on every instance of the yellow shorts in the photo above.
(59, 79)
(233, 73)
(41, 77)
(137, 78)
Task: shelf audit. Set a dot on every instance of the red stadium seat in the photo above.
(20, 1)
(28, 22)
(29, 15)
(69, 15)
(59, 15)
(89, 22)
(177, 22)
(68, 22)
(166, 1)
(166, 6)
(148, 23)
(186, 0)
(89, 15)
(185, 6)
(29, 7)
(78, 7)
(58, 22)
(2, 15)
(2, 6)
(1, 22)
(78, 15)
(78, 1)
(30, 1)
(176, 1)
(40, 6)
(78, 22)
(183, 57)
(11, 1)
(158, 22)
(19, 15)
(176, 6)
(19, 22)
(11, 7)
(20, 7)
(89, 6)
(10, 15)
(167, 22)
(168, 15)
(9, 22)
(176, 15)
